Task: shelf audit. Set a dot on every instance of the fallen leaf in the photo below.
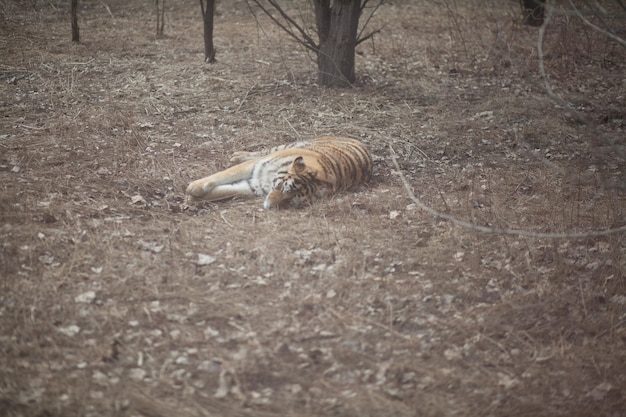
(205, 259)
(137, 199)
(137, 374)
(70, 331)
(150, 246)
(86, 297)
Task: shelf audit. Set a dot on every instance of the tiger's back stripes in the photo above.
(291, 173)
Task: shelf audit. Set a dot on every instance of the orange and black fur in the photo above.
(290, 174)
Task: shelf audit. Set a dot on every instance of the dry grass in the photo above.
(362, 305)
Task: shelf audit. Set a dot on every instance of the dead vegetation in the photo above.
(116, 298)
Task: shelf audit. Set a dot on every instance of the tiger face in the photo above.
(292, 186)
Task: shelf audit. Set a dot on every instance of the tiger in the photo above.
(290, 174)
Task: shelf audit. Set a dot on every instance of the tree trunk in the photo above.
(533, 12)
(208, 13)
(74, 18)
(322, 19)
(160, 20)
(337, 26)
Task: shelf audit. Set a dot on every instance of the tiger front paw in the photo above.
(199, 189)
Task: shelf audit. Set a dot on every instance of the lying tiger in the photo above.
(290, 174)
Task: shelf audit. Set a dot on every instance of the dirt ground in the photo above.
(118, 298)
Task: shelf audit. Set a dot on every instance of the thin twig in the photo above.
(243, 100)
(582, 296)
(32, 127)
(291, 126)
(368, 36)
(443, 198)
(79, 63)
(373, 322)
(361, 38)
(152, 407)
(108, 10)
(542, 69)
(224, 218)
(618, 324)
(292, 22)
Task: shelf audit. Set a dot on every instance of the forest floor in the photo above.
(118, 297)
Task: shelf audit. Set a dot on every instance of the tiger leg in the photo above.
(243, 156)
(231, 182)
(239, 157)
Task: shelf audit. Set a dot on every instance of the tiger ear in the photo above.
(298, 165)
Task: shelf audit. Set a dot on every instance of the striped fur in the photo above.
(290, 174)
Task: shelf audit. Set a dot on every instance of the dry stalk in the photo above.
(151, 407)
(373, 322)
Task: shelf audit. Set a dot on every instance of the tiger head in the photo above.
(293, 186)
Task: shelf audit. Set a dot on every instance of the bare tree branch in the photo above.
(306, 40)
(360, 38)
(576, 114)
(363, 5)
(368, 36)
(285, 16)
(496, 230)
(549, 5)
(542, 31)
